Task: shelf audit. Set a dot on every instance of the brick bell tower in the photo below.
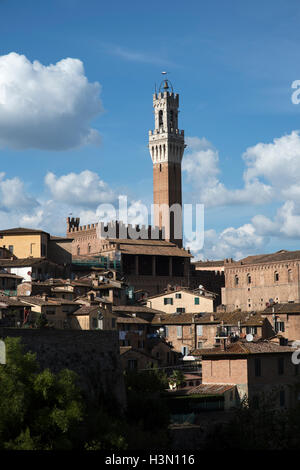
(166, 146)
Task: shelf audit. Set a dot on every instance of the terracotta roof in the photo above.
(210, 389)
(86, 310)
(11, 301)
(181, 318)
(9, 275)
(209, 263)
(22, 262)
(35, 300)
(244, 348)
(62, 239)
(150, 247)
(282, 255)
(245, 318)
(21, 230)
(282, 308)
(134, 320)
(135, 309)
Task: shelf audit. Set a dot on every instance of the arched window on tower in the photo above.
(236, 280)
(89, 248)
(276, 276)
(290, 275)
(160, 152)
(160, 119)
(78, 250)
(248, 278)
(164, 150)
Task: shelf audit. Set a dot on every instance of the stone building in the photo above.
(256, 281)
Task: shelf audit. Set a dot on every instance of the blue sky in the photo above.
(232, 63)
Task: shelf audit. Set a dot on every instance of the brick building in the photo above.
(255, 368)
(251, 283)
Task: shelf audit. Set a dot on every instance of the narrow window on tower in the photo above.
(160, 117)
(171, 119)
(160, 167)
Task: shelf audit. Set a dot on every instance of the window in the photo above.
(200, 344)
(177, 296)
(276, 276)
(11, 248)
(255, 402)
(184, 350)
(180, 310)
(251, 330)
(290, 275)
(43, 249)
(179, 331)
(281, 366)
(132, 364)
(199, 330)
(257, 365)
(166, 331)
(50, 311)
(78, 250)
(236, 280)
(89, 248)
(197, 300)
(282, 397)
(279, 326)
(248, 279)
(168, 301)
(160, 116)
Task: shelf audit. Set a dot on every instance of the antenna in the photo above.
(249, 337)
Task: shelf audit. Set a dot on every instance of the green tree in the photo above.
(38, 410)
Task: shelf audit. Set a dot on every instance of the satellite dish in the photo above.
(249, 337)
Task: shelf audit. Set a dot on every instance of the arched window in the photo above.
(248, 279)
(276, 276)
(290, 275)
(236, 280)
(89, 248)
(164, 150)
(78, 250)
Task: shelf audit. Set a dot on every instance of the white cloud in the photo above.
(286, 223)
(46, 107)
(201, 165)
(13, 194)
(231, 242)
(84, 189)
